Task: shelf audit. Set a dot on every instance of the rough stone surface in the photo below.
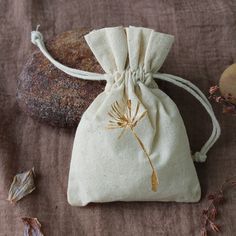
(48, 94)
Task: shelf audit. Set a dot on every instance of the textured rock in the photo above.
(48, 94)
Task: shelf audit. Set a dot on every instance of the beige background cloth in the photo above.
(204, 45)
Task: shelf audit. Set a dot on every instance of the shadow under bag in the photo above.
(131, 143)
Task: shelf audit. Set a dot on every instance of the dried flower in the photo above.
(22, 185)
(210, 213)
(32, 227)
(226, 101)
(213, 89)
(124, 118)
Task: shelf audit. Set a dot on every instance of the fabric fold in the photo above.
(119, 48)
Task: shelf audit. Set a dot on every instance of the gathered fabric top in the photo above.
(132, 48)
(137, 53)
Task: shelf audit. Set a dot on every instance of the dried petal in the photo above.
(32, 227)
(214, 227)
(22, 185)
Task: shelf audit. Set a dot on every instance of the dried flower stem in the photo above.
(226, 101)
(210, 213)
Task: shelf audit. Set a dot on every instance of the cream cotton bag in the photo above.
(131, 143)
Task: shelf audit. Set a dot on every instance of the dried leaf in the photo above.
(32, 227)
(22, 185)
(154, 181)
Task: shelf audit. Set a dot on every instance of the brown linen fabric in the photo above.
(205, 43)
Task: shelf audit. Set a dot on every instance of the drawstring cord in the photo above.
(37, 39)
(197, 93)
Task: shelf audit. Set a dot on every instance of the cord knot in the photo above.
(36, 35)
(199, 157)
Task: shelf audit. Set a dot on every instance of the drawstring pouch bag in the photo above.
(131, 143)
